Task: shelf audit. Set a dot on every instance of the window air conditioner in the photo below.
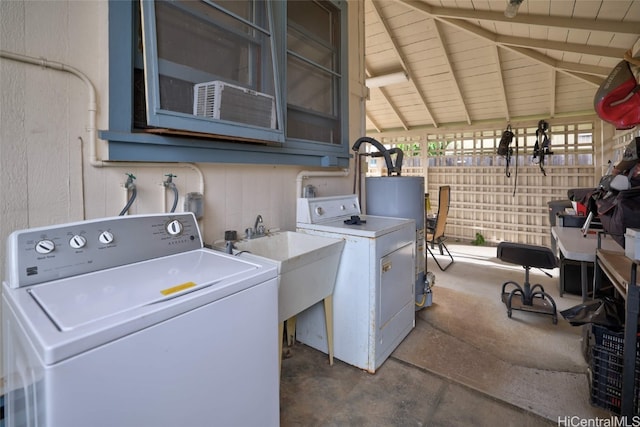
(223, 101)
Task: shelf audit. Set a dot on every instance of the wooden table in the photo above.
(575, 246)
(622, 272)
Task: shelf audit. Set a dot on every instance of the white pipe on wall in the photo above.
(307, 174)
(44, 63)
(92, 130)
(92, 110)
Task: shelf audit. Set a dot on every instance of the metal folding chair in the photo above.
(436, 226)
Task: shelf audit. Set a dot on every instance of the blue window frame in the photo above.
(236, 81)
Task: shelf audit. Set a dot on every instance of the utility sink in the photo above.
(307, 270)
(307, 267)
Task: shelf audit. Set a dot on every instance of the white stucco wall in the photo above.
(44, 152)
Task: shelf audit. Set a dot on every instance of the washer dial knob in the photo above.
(77, 242)
(319, 211)
(45, 246)
(174, 227)
(106, 237)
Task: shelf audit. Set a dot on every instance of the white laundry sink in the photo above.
(307, 267)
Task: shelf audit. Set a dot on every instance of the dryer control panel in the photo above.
(44, 254)
(319, 209)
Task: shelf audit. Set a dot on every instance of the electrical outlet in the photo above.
(194, 202)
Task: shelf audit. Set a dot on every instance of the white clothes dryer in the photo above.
(373, 298)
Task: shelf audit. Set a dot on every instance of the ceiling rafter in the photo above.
(600, 51)
(451, 70)
(404, 64)
(568, 68)
(389, 103)
(530, 53)
(488, 35)
(545, 21)
(373, 123)
(393, 107)
(552, 94)
(368, 116)
(549, 68)
(584, 69)
(503, 91)
(582, 49)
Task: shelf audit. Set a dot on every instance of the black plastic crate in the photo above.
(606, 370)
(608, 339)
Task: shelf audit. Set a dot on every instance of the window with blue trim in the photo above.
(241, 81)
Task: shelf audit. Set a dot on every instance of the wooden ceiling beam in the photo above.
(373, 122)
(394, 108)
(404, 63)
(593, 70)
(503, 91)
(568, 68)
(582, 49)
(452, 72)
(587, 74)
(568, 23)
(389, 102)
(530, 53)
(552, 97)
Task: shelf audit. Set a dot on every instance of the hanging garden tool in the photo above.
(543, 145)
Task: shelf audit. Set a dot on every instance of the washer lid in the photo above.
(66, 317)
(82, 300)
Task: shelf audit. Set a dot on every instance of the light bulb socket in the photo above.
(512, 8)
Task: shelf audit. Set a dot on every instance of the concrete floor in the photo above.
(464, 364)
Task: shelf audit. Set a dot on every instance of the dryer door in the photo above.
(396, 283)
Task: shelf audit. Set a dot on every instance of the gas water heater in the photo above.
(401, 197)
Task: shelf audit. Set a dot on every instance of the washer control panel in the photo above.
(44, 254)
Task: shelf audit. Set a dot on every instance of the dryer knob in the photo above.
(174, 227)
(45, 246)
(319, 211)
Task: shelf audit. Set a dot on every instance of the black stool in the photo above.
(530, 298)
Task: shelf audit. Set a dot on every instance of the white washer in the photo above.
(373, 299)
(129, 321)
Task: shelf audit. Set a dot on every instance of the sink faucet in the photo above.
(258, 229)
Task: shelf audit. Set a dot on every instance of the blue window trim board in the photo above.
(125, 144)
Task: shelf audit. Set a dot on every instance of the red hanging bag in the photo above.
(617, 101)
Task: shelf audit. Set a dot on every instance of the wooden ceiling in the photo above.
(469, 64)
